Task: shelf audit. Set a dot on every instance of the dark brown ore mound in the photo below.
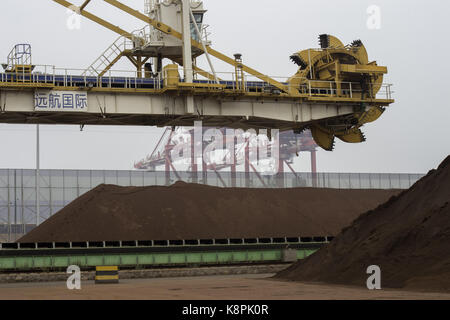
(408, 238)
(187, 211)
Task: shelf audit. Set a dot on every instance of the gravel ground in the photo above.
(231, 287)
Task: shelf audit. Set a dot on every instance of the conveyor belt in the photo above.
(55, 256)
(15, 246)
(109, 82)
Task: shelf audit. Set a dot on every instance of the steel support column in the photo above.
(280, 174)
(204, 164)
(247, 163)
(167, 164)
(38, 200)
(233, 165)
(194, 167)
(187, 52)
(314, 168)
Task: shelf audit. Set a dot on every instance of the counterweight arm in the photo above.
(96, 19)
(169, 30)
(118, 30)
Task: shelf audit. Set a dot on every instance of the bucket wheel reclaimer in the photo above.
(335, 75)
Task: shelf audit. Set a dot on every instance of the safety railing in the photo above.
(348, 89)
(19, 55)
(312, 88)
(46, 74)
(59, 77)
(149, 5)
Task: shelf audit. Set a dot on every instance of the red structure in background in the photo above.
(291, 145)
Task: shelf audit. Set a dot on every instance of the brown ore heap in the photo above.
(408, 238)
(187, 211)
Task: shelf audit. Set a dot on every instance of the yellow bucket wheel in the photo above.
(320, 65)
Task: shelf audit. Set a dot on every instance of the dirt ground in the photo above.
(241, 287)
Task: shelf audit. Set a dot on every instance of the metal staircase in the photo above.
(109, 57)
(117, 50)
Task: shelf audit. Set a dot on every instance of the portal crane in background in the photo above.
(243, 150)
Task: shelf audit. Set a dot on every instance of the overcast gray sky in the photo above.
(412, 136)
